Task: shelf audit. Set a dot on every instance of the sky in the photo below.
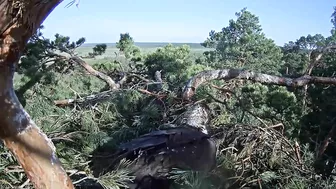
(185, 21)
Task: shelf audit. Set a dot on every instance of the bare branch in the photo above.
(228, 74)
(318, 58)
(99, 97)
(112, 84)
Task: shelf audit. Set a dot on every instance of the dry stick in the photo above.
(297, 153)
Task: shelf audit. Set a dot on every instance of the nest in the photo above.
(258, 157)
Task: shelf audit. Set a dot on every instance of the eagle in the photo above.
(185, 145)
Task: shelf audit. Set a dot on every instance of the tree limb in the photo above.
(91, 99)
(112, 84)
(228, 74)
(31, 147)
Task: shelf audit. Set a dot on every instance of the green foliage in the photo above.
(126, 45)
(243, 45)
(99, 49)
(175, 63)
(298, 54)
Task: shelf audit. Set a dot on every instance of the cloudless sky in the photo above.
(102, 21)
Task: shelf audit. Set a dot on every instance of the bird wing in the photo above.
(169, 137)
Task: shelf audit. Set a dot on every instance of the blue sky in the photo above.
(102, 21)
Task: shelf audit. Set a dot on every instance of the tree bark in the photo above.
(19, 19)
(228, 74)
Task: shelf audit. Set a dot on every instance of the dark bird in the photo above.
(186, 146)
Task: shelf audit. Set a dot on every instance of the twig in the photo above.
(278, 125)
(82, 179)
(24, 184)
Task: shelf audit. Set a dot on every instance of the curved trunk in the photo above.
(32, 148)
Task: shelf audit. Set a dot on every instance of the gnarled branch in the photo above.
(228, 74)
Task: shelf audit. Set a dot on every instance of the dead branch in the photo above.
(152, 94)
(99, 97)
(318, 58)
(112, 84)
(88, 100)
(326, 141)
(106, 95)
(228, 74)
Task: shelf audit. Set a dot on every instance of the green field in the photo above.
(146, 47)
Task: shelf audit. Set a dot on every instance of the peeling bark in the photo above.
(32, 148)
(228, 74)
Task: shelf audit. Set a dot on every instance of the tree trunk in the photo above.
(32, 148)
